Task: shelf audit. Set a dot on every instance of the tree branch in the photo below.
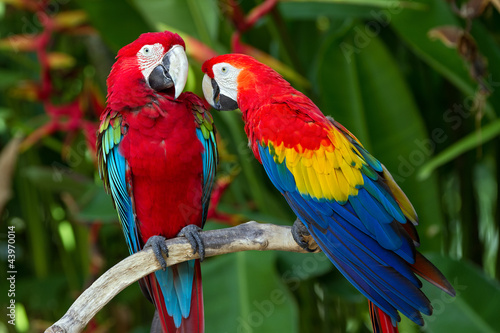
(244, 237)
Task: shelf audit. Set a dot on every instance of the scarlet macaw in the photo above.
(157, 157)
(343, 197)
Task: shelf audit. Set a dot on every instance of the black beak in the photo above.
(222, 102)
(160, 79)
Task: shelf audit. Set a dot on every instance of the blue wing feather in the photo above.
(112, 169)
(210, 158)
(361, 237)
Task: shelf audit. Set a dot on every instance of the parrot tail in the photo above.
(381, 322)
(426, 270)
(178, 296)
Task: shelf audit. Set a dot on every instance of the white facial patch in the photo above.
(149, 56)
(226, 77)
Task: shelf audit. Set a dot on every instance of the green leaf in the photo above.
(306, 9)
(9, 78)
(474, 309)
(96, 205)
(413, 27)
(296, 267)
(118, 22)
(57, 178)
(196, 18)
(245, 288)
(336, 284)
(366, 92)
(463, 145)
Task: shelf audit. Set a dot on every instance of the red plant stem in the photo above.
(259, 11)
(243, 23)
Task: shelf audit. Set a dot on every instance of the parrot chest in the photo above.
(165, 160)
(279, 124)
(159, 145)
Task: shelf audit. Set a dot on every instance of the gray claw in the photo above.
(299, 232)
(192, 233)
(157, 243)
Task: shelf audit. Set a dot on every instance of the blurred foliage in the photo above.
(416, 81)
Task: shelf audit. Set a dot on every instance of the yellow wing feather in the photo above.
(332, 171)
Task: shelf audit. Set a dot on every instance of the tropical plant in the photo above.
(418, 82)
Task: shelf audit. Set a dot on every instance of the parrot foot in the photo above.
(302, 236)
(192, 233)
(157, 243)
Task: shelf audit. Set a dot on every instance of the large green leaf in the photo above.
(365, 91)
(117, 21)
(57, 178)
(243, 293)
(96, 205)
(413, 27)
(474, 309)
(296, 267)
(467, 143)
(306, 9)
(196, 18)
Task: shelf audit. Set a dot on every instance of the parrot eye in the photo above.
(146, 50)
(223, 69)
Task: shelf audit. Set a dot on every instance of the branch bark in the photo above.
(244, 237)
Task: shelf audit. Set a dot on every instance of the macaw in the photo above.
(343, 196)
(157, 157)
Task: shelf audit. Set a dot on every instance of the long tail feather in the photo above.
(381, 322)
(195, 322)
(425, 269)
(177, 319)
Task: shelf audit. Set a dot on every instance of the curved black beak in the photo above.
(160, 79)
(171, 72)
(214, 97)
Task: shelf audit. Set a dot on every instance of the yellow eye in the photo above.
(224, 69)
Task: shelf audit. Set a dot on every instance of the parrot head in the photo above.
(155, 63)
(238, 80)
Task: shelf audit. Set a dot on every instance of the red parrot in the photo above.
(343, 197)
(157, 157)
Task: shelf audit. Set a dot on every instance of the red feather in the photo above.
(164, 161)
(381, 323)
(165, 157)
(424, 268)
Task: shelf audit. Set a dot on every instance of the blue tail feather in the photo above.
(379, 290)
(176, 284)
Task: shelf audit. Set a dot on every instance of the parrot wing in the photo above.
(205, 130)
(355, 211)
(114, 171)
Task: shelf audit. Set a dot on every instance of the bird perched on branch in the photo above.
(343, 197)
(157, 157)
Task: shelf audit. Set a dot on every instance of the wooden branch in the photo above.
(244, 237)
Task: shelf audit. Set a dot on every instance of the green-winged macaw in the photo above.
(157, 157)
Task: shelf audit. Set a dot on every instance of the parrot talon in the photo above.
(157, 243)
(300, 233)
(192, 233)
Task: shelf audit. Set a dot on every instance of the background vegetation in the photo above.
(417, 81)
